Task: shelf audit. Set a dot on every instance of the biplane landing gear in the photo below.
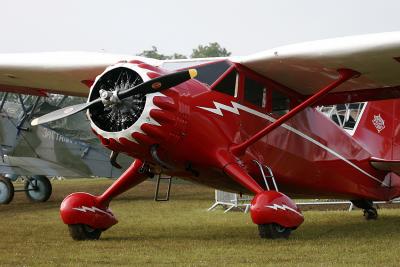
(6, 190)
(38, 188)
(370, 212)
(87, 216)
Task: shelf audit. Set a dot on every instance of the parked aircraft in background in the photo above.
(226, 122)
(63, 148)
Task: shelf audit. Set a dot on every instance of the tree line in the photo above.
(211, 50)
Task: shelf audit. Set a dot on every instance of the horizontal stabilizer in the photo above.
(386, 165)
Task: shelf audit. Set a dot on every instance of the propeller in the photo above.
(108, 98)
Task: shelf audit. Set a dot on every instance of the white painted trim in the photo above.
(236, 107)
(284, 208)
(92, 209)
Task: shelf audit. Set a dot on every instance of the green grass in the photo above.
(182, 233)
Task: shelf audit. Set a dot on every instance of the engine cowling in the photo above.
(120, 116)
(126, 117)
(135, 123)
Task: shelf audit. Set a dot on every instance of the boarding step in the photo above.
(270, 175)
(157, 193)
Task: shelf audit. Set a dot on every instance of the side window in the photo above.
(255, 93)
(344, 115)
(228, 84)
(280, 103)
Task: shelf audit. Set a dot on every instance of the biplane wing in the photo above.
(67, 73)
(307, 67)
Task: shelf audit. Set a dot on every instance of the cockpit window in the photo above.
(209, 73)
(228, 84)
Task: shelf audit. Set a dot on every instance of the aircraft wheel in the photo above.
(371, 214)
(83, 232)
(273, 231)
(6, 190)
(38, 188)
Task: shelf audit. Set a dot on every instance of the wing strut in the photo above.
(344, 75)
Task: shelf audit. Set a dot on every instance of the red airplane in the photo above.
(248, 124)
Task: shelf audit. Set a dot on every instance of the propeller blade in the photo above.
(64, 112)
(154, 85)
(160, 83)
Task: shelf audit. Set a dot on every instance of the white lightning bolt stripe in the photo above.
(219, 107)
(92, 209)
(283, 207)
(236, 107)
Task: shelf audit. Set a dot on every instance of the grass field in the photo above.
(181, 233)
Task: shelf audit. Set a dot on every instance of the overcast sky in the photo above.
(243, 27)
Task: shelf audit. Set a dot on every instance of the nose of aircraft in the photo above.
(108, 94)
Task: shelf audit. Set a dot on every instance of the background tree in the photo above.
(210, 50)
(153, 53)
(178, 56)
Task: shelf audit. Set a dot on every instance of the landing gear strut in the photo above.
(87, 216)
(370, 212)
(275, 213)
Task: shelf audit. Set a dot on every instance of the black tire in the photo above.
(82, 232)
(273, 231)
(38, 188)
(6, 190)
(371, 214)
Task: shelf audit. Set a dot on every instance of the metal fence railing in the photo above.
(231, 201)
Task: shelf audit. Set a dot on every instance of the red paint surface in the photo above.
(88, 83)
(127, 180)
(274, 207)
(192, 136)
(309, 155)
(78, 208)
(345, 74)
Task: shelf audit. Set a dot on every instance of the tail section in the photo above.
(375, 126)
(377, 129)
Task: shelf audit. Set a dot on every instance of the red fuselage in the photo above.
(310, 155)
